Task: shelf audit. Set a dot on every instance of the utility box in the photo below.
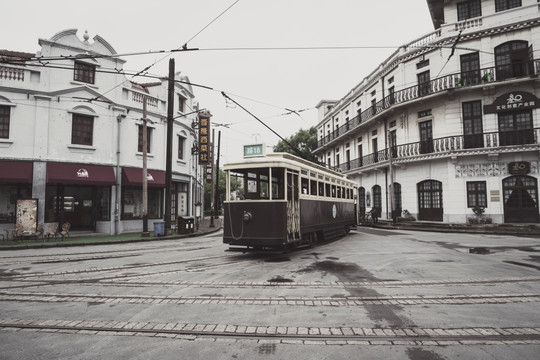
(186, 225)
(159, 228)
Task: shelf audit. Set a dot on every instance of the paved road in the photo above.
(375, 294)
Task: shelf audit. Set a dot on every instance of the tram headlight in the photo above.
(247, 216)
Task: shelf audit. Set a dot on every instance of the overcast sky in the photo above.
(266, 82)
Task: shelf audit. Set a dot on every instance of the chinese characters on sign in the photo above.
(204, 139)
(517, 100)
(254, 150)
(519, 168)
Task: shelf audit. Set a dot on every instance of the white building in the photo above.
(451, 118)
(71, 137)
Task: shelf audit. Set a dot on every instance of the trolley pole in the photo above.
(145, 171)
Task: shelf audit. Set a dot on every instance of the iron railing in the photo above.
(445, 145)
(444, 83)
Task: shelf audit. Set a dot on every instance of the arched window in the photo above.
(430, 206)
(520, 199)
(513, 59)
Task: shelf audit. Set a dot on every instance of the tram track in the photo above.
(324, 301)
(303, 335)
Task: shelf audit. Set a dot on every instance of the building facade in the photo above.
(71, 136)
(451, 120)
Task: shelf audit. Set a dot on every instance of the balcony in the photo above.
(439, 85)
(447, 146)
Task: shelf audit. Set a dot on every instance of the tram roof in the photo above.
(282, 160)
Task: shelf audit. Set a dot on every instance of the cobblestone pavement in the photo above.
(379, 293)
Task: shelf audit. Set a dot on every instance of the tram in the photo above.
(280, 201)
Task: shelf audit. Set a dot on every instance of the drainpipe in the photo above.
(118, 185)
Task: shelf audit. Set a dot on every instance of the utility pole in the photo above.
(212, 197)
(216, 200)
(145, 171)
(168, 167)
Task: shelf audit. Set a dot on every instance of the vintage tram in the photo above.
(280, 201)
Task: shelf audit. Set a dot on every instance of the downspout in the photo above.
(118, 185)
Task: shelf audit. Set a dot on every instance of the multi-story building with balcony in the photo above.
(71, 136)
(448, 122)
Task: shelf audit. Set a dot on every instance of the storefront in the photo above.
(132, 195)
(79, 194)
(15, 183)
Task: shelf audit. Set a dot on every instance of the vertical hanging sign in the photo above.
(204, 138)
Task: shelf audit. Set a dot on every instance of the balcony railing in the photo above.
(446, 145)
(447, 82)
(9, 73)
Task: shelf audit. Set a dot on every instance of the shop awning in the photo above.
(133, 177)
(80, 174)
(16, 171)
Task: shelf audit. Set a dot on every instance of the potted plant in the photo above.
(479, 218)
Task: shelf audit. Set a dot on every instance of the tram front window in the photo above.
(254, 184)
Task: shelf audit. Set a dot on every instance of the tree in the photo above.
(305, 141)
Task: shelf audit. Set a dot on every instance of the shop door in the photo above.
(520, 199)
(78, 207)
(430, 206)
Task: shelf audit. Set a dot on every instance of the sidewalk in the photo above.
(90, 238)
(500, 229)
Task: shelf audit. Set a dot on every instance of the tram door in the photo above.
(293, 206)
(520, 199)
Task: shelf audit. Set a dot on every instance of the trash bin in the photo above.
(159, 228)
(186, 224)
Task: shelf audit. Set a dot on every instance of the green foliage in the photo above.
(478, 210)
(305, 141)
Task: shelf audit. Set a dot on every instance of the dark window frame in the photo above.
(140, 139)
(84, 72)
(502, 5)
(469, 9)
(476, 194)
(82, 129)
(181, 147)
(473, 131)
(5, 119)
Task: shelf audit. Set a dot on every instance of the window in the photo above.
(516, 128)
(132, 200)
(470, 69)
(472, 125)
(476, 194)
(9, 193)
(424, 86)
(181, 144)
(426, 137)
(148, 137)
(181, 103)
(84, 72)
(469, 9)
(501, 5)
(82, 129)
(513, 59)
(4, 122)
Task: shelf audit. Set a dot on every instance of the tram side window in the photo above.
(333, 191)
(321, 189)
(339, 192)
(237, 186)
(327, 188)
(313, 184)
(264, 194)
(304, 185)
(277, 184)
